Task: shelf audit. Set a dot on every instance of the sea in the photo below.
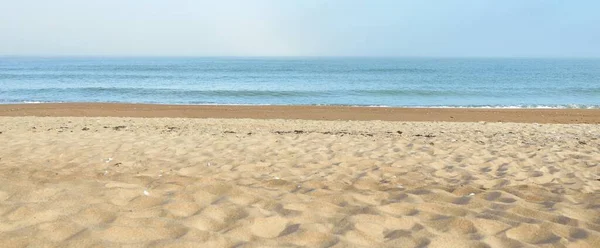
(350, 81)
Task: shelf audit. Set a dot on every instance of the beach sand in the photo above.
(565, 116)
(182, 182)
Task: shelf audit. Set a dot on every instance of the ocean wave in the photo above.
(524, 106)
(166, 93)
(415, 92)
(246, 93)
(212, 68)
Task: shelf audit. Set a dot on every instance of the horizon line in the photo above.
(295, 56)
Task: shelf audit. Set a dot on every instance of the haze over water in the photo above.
(404, 82)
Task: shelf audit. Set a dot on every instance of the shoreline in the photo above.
(350, 113)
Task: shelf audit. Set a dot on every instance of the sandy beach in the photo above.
(333, 124)
(73, 181)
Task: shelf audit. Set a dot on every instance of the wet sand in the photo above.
(564, 116)
(182, 182)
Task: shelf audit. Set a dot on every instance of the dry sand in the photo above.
(112, 182)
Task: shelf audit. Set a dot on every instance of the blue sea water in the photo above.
(401, 82)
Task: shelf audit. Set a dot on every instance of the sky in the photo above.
(415, 28)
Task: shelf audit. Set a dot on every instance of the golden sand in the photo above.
(135, 182)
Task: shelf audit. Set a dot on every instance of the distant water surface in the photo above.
(401, 82)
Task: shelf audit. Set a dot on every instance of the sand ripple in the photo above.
(80, 182)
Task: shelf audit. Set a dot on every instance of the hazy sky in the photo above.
(457, 28)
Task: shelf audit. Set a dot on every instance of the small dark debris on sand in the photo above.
(581, 142)
(118, 128)
(337, 133)
(229, 132)
(426, 135)
(289, 132)
(85, 129)
(341, 133)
